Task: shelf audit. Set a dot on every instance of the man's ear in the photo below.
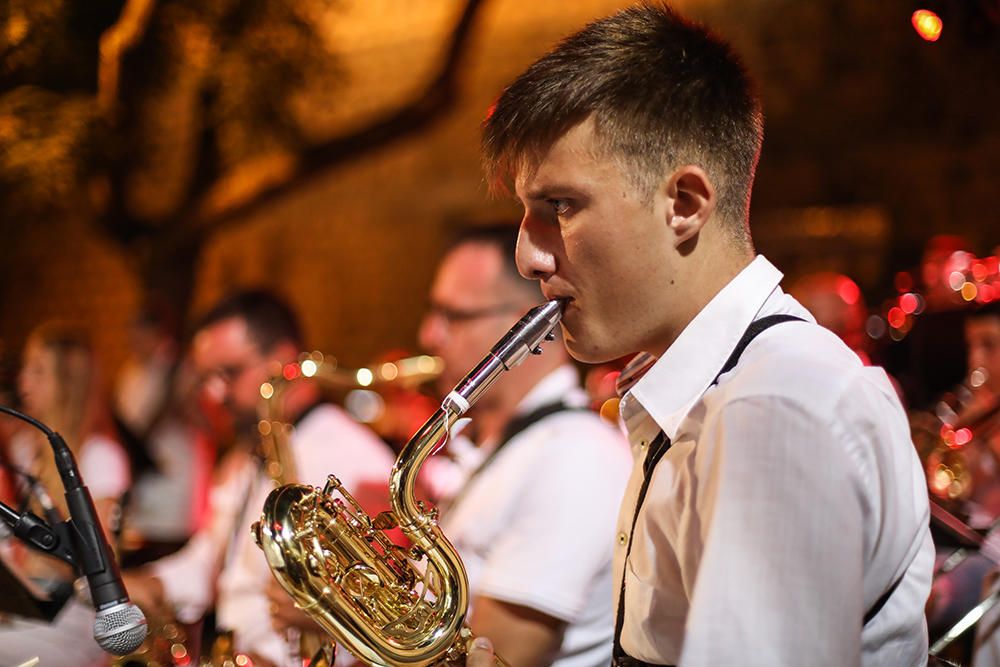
(692, 202)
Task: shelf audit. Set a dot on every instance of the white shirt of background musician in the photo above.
(790, 501)
(534, 527)
(327, 441)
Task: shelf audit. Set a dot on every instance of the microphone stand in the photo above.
(33, 531)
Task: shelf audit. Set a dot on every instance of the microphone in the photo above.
(119, 626)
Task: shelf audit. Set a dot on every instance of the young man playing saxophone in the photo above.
(776, 513)
(539, 474)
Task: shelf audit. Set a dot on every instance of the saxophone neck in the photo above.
(402, 481)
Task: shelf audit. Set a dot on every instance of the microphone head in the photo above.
(120, 629)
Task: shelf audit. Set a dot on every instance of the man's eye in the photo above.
(560, 206)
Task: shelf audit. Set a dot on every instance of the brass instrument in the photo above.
(275, 429)
(389, 605)
(273, 426)
(949, 439)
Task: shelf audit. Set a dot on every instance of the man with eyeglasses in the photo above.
(235, 348)
(539, 475)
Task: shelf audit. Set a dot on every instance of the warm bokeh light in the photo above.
(266, 390)
(848, 290)
(309, 368)
(927, 24)
(908, 303)
(896, 317)
(365, 377)
(979, 271)
(969, 291)
(426, 364)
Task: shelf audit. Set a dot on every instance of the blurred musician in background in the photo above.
(930, 360)
(234, 350)
(959, 587)
(59, 385)
(159, 415)
(539, 474)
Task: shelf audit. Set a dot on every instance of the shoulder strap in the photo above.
(756, 328)
(656, 450)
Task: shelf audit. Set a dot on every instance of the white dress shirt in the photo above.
(534, 527)
(221, 561)
(790, 501)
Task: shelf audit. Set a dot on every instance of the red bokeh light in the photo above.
(908, 303)
(848, 290)
(290, 371)
(896, 317)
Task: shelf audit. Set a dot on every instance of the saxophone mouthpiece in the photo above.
(527, 336)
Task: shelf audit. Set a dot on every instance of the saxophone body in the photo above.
(388, 604)
(275, 431)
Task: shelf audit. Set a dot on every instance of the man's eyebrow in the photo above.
(551, 191)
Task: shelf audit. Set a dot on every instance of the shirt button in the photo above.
(622, 539)
(643, 443)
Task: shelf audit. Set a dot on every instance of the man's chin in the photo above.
(584, 350)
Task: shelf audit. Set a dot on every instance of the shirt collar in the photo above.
(678, 379)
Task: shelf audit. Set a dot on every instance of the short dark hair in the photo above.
(662, 92)
(269, 319)
(503, 237)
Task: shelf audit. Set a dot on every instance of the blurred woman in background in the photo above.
(59, 385)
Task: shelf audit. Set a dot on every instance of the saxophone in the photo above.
(387, 604)
(275, 430)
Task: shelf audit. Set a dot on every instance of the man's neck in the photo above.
(707, 275)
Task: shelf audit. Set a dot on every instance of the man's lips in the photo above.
(550, 296)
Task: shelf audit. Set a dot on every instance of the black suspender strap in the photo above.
(756, 328)
(657, 449)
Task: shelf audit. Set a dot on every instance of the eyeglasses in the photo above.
(458, 315)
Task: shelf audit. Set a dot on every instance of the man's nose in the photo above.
(432, 333)
(534, 260)
(216, 389)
